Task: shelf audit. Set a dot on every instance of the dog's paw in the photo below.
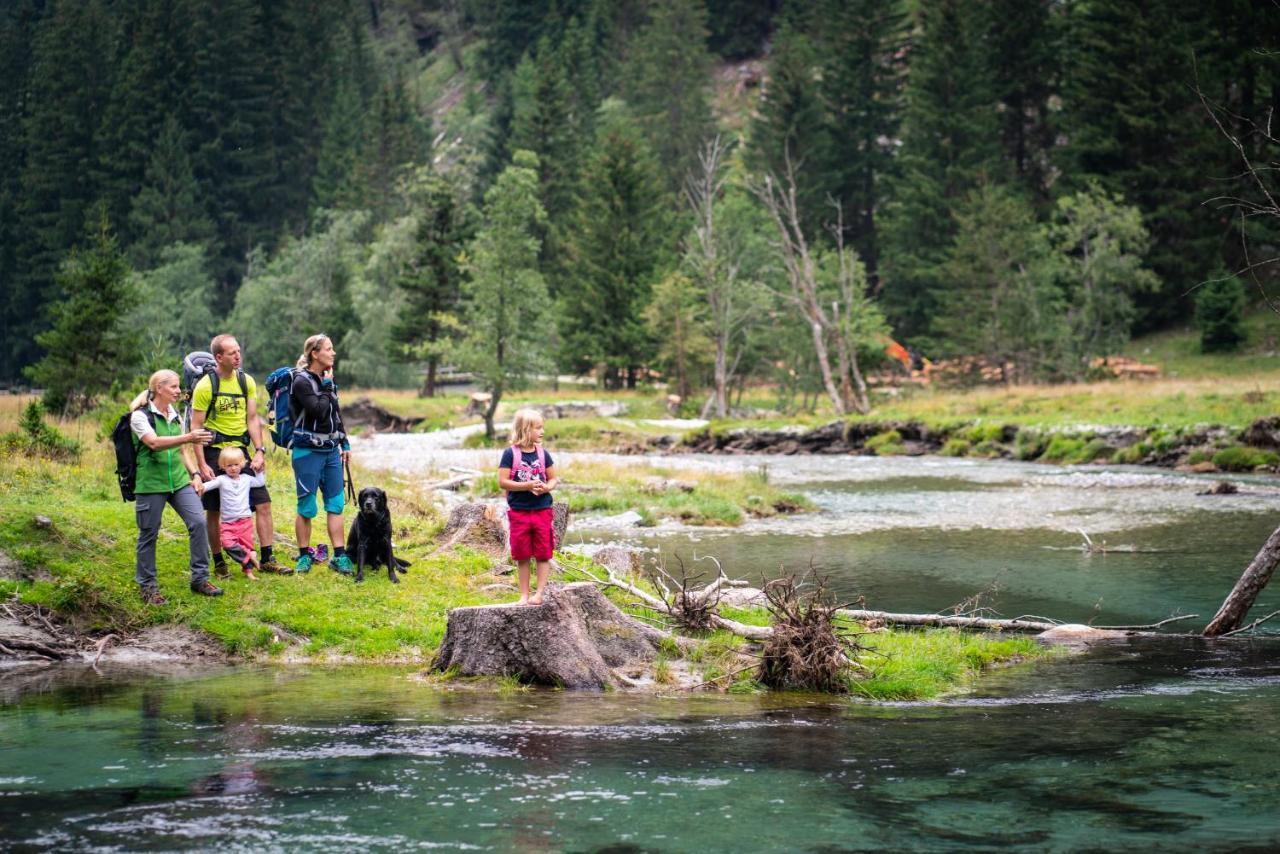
(395, 580)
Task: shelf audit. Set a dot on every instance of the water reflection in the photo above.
(1131, 745)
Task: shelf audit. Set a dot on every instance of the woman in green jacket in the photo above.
(167, 474)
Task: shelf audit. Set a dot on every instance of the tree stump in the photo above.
(573, 640)
(479, 526)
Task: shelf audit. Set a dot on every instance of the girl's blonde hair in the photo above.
(161, 376)
(314, 343)
(522, 424)
(230, 456)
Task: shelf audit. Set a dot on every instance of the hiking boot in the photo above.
(275, 566)
(152, 596)
(304, 565)
(220, 570)
(204, 588)
(343, 564)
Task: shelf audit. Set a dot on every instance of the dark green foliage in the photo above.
(1240, 458)
(1220, 304)
(432, 283)
(1025, 58)
(68, 88)
(738, 28)
(167, 210)
(792, 125)
(949, 147)
(89, 345)
(1134, 124)
(862, 48)
(667, 86)
(395, 139)
(621, 240)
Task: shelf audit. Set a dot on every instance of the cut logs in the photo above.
(573, 640)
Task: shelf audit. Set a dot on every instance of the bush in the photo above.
(1028, 444)
(885, 444)
(1220, 305)
(1133, 454)
(955, 448)
(1239, 458)
(1063, 449)
(987, 450)
(35, 436)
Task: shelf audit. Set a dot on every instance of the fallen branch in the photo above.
(1251, 626)
(653, 602)
(1152, 625)
(1018, 624)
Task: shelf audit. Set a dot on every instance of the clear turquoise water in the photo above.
(1130, 747)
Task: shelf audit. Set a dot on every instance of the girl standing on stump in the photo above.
(528, 474)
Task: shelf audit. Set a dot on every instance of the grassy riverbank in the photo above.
(81, 565)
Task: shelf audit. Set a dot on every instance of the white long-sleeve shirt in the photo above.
(235, 494)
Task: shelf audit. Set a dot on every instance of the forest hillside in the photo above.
(716, 192)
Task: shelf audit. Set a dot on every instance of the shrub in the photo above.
(1135, 453)
(1062, 449)
(1240, 458)
(1220, 305)
(955, 447)
(988, 450)
(885, 444)
(35, 436)
(1028, 444)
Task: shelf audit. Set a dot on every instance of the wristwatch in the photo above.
(262, 451)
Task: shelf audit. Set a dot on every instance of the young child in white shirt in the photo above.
(237, 516)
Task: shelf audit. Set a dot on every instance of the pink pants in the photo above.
(237, 540)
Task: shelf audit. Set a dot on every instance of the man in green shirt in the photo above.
(230, 412)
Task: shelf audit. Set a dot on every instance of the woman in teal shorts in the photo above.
(320, 447)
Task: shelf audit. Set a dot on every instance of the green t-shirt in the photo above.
(229, 415)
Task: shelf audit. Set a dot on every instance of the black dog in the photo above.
(370, 537)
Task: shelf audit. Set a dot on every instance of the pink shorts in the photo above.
(237, 539)
(531, 535)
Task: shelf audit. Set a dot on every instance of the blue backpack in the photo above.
(279, 416)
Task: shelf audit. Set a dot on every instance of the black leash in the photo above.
(351, 487)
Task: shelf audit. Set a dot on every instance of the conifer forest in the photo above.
(714, 192)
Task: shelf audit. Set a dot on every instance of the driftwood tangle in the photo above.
(574, 640)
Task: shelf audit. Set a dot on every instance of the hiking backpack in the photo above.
(196, 366)
(127, 452)
(279, 414)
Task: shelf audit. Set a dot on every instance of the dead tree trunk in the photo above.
(1242, 596)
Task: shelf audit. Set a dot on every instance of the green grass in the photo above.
(924, 664)
(695, 498)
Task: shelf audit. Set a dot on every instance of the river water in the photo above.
(1140, 744)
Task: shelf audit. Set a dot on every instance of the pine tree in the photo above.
(949, 147)
(739, 27)
(88, 346)
(334, 182)
(506, 296)
(1000, 300)
(232, 127)
(148, 91)
(792, 124)
(1133, 124)
(432, 282)
(69, 87)
(668, 85)
(862, 44)
(395, 139)
(621, 240)
(18, 22)
(167, 209)
(1025, 58)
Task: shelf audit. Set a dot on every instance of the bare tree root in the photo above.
(808, 651)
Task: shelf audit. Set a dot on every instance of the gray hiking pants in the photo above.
(150, 508)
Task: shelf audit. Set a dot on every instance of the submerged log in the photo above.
(956, 622)
(1243, 595)
(573, 640)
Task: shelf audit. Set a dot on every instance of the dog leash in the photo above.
(351, 487)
